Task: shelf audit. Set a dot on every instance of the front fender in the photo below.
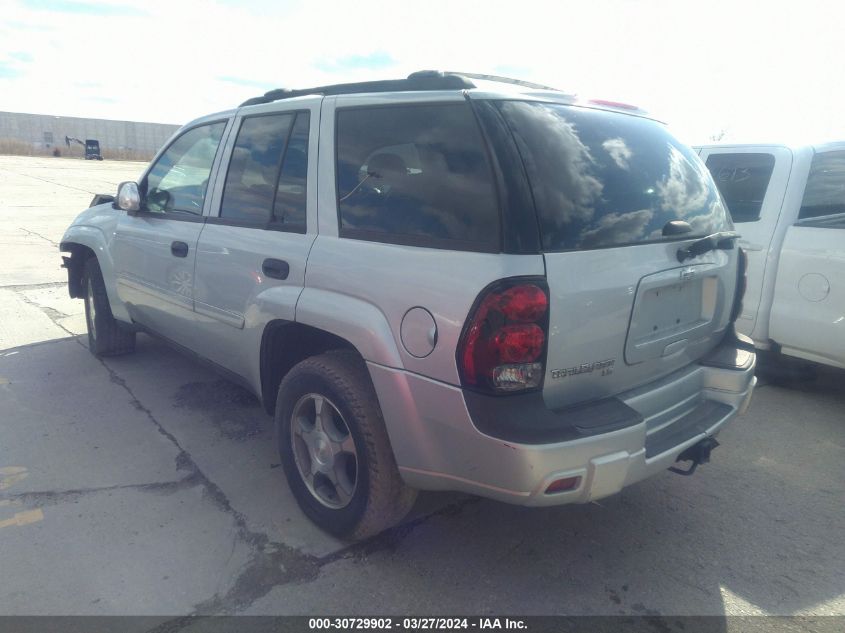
(357, 321)
(95, 238)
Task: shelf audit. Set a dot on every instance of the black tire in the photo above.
(380, 498)
(106, 337)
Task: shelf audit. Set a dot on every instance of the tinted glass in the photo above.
(416, 174)
(743, 180)
(825, 191)
(606, 179)
(289, 208)
(254, 168)
(177, 182)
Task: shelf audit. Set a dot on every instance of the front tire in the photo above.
(106, 337)
(335, 450)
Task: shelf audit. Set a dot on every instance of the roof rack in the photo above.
(420, 80)
(500, 79)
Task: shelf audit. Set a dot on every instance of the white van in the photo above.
(788, 203)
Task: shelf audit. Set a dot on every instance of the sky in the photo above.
(744, 71)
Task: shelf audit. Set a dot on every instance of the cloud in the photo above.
(250, 83)
(373, 61)
(21, 56)
(683, 191)
(617, 228)
(573, 188)
(619, 151)
(85, 8)
(9, 72)
(149, 47)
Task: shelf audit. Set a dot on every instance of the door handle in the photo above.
(179, 249)
(276, 268)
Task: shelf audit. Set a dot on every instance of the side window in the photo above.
(178, 181)
(253, 172)
(742, 180)
(415, 175)
(289, 207)
(825, 191)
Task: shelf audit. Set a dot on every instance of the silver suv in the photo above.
(444, 282)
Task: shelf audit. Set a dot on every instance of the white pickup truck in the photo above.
(788, 203)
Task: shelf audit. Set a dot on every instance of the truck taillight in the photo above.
(741, 284)
(503, 345)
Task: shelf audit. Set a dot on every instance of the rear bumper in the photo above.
(438, 447)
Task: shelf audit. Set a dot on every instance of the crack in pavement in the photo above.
(52, 314)
(41, 286)
(271, 563)
(260, 576)
(54, 497)
(36, 234)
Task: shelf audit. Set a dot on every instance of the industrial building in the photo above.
(36, 134)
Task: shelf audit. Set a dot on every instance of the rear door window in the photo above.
(253, 172)
(743, 179)
(603, 179)
(416, 175)
(825, 191)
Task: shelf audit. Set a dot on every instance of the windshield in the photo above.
(604, 179)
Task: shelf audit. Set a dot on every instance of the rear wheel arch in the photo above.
(286, 343)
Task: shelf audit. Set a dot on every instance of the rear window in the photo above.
(604, 179)
(825, 191)
(743, 180)
(416, 175)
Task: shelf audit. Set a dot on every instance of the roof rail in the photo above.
(500, 79)
(421, 80)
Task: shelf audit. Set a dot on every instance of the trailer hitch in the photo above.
(697, 454)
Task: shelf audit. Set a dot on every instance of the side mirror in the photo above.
(129, 197)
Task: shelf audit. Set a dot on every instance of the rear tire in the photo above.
(328, 419)
(106, 337)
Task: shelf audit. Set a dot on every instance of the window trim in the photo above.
(272, 224)
(143, 182)
(401, 239)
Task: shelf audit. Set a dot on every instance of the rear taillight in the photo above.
(503, 345)
(741, 284)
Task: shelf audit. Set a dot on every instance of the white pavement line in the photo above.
(23, 518)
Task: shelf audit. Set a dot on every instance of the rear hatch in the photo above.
(623, 309)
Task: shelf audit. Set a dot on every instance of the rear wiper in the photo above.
(722, 240)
